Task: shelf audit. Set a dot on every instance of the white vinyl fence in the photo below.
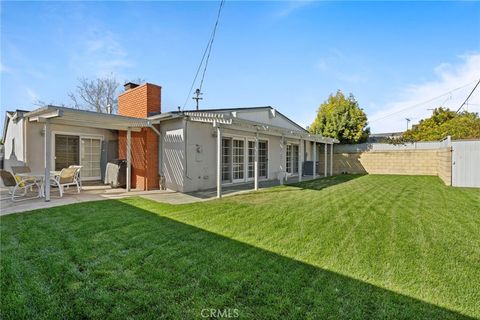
(466, 163)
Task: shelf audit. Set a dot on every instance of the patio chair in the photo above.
(77, 174)
(66, 178)
(14, 185)
(20, 169)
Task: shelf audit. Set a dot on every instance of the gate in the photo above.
(466, 164)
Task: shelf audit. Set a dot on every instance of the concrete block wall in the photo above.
(436, 162)
(444, 165)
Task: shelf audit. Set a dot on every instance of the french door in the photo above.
(238, 163)
(238, 159)
(262, 159)
(292, 158)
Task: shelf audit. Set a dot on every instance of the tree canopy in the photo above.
(341, 118)
(445, 122)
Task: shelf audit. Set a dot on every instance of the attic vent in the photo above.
(273, 113)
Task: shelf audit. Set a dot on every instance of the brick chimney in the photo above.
(141, 101)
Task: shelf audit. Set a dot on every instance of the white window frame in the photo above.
(245, 158)
(292, 144)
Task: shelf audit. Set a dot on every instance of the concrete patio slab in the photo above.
(98, 192)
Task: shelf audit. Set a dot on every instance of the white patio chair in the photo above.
(66, 178)
(16, 185)
(78, 177)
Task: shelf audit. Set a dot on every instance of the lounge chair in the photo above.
(77, 174)
(18, 188)
(67, 177)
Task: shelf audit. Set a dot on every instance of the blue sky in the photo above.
(291, 55)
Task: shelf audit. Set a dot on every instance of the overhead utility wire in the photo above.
(208, 49)
(469, 96)
(421, 103)
(211, 43)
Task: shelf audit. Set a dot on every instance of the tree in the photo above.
(341, 118)
(445, 122)
(96, 94)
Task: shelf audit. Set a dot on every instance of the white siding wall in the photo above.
(172, 154)
(201, 161)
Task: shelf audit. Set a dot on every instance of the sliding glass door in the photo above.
(78, 150)
(67, 151)
(91, 156)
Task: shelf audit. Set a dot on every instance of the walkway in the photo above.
(101, 192)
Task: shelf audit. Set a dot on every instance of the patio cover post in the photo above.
(314, 159)
(256, 162)
(300, 160)
(219, 162)
(129, 159)
(283, 163)
(48, 157)
(326, 157)
(331, 159)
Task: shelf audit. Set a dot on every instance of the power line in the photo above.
(469, 95)
(206, 53)
(211, 43)
(422, 103)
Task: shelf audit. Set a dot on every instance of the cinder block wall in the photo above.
(139, 102)
(436, 162)
(444, 165)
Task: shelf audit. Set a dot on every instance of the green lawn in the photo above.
(352, 247)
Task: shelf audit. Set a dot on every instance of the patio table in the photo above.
(37, 177)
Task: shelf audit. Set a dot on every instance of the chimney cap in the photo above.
(130, 85)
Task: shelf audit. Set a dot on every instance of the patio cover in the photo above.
(83, 118)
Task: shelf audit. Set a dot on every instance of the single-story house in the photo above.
(186, 150)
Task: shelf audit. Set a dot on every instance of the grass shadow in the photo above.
(113, 260)
(325, 182)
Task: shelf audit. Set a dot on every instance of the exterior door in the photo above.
(238, 164)
(262, 159)
(91, 150)
(226, 160)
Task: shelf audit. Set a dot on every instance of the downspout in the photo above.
(185, 132)
(24, 142)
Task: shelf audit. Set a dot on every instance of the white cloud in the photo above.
(292, 6)
(411, 102)
(99, 55)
